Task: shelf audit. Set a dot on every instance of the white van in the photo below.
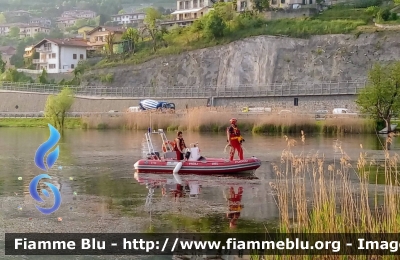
(342, 111)
(133, 109)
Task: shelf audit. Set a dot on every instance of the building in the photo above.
(60, 55)
(6, 53)
(80, 14)
(44, 22)
(18, 13)
(128, 18)
(65, 22)
(290, 3)
(190, 10)
(6, 27)
(98, 36)
(83, 30)
(29, 51)
(244, 5)
(31, 30)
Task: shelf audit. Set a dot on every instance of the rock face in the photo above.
(260, 61)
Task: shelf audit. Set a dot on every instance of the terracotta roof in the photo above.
(73, 42)
(107, 28)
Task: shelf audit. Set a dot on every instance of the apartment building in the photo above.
(128, 18)
(31, 30)
(98, 36)
(43, 22)
(81, 14)
(190, 10)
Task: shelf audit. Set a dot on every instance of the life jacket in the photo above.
(181, 144)
(234, 133)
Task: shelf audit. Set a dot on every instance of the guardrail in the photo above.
(270, 90)
(243, 115)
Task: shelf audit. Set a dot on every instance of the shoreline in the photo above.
(257, 125)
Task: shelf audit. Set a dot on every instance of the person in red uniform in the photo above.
(234, 206)
(234, 139)
(179, 146)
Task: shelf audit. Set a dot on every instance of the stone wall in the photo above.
(28, 102)
(290, 13)
(32, 102)
(259, 61)
(305, 103)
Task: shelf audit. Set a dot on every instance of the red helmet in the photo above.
(233, 121)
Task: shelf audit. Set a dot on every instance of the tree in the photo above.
(110, 43)
(214, 25)
(14, 32)
(57, 106)
(150, 21)
(2, 65)
(381, 98)
(261, 5)
(132, 35)
(197, 27)
(2, 18)
(43, 77)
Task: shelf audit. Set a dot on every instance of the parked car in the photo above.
(285, 111)
(321, 114)
(343, 111)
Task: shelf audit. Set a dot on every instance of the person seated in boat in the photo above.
(234, 205)
(180, 146)
(234, 139)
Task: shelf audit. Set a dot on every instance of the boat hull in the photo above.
(210, 166)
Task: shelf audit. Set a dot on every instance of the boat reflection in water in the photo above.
(191, 186)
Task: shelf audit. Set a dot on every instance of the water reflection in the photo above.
(101, 164)
(217, 198)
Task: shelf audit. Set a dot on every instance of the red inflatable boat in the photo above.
(165, 162)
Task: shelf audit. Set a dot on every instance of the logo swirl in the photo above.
(39, 161)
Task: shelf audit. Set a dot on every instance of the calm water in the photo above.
(101, 192)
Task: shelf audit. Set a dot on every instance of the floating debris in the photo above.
(19, 178)
(19, 208)
(59, 219)
(71, 178)
(75, 193)
(60, 167)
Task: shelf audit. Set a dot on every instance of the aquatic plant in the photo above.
(317, 196)
(205, 119)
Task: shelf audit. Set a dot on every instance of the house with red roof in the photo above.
(60, 55)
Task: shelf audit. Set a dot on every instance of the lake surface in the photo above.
(102, 194)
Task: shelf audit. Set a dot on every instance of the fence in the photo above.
(270, 90)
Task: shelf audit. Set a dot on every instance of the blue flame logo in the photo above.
(39, 161)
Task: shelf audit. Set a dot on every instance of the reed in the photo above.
(314, 195)
(205, 119)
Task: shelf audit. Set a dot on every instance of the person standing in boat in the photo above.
(235, 140)
(180, 146)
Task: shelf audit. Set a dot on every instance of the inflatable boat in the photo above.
(164, 160)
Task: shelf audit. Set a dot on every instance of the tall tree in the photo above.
(150, 21)
(132, 35)
(381, 98)
(2, 64)
(110, 43)
(57, 106)
(14, 32)
(214, 25)
(2, 18)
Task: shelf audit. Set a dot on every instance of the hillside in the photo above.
(260, 60)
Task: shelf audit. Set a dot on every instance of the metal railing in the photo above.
(269, 90)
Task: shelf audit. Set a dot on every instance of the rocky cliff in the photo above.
(261, 60)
